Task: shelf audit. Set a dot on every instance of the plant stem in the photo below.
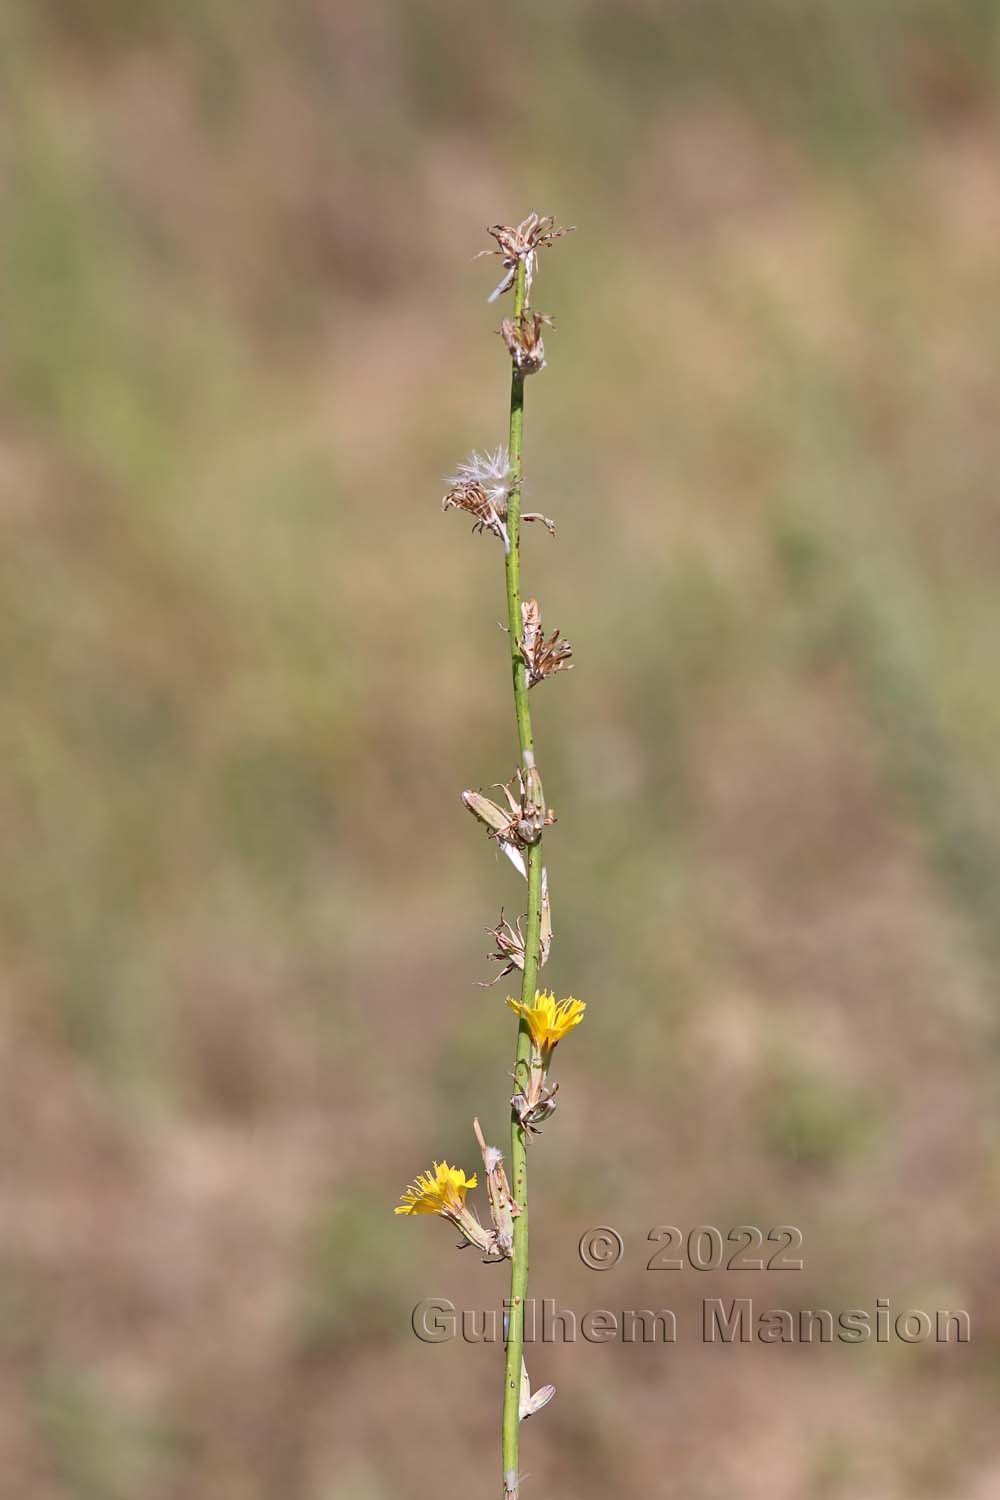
(518, 1160)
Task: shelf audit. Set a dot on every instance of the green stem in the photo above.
(518, 1158)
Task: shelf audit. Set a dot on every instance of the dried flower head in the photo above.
(523, 337)
(481, 487)
(509, 940)
(522, 242)
(543, 658)
(508, 948)
(519, 825)
(535, 1104)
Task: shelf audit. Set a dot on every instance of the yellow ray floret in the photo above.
(548, 1021)
(439, 1192)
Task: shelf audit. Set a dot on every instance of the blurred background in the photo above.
(248, 666)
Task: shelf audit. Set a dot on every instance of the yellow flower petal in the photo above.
(548, 1020)
(439, 1192)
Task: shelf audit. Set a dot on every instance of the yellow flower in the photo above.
(548, 1021)
(439, 1192)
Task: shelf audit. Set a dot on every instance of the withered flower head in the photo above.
(509, 940)
(523, 337)
(535, 1106)
(522, 242)
(508, 948)
(519, 824)
(480, 486)
(543, 658)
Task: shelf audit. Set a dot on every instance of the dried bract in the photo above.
(503, 1209)
(499, 823)
(536, 515)
(535, 816)
(523, 337)
(530, 1401)
(545, 930)
(543, 658)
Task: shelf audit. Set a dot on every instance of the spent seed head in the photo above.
(522, 242)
